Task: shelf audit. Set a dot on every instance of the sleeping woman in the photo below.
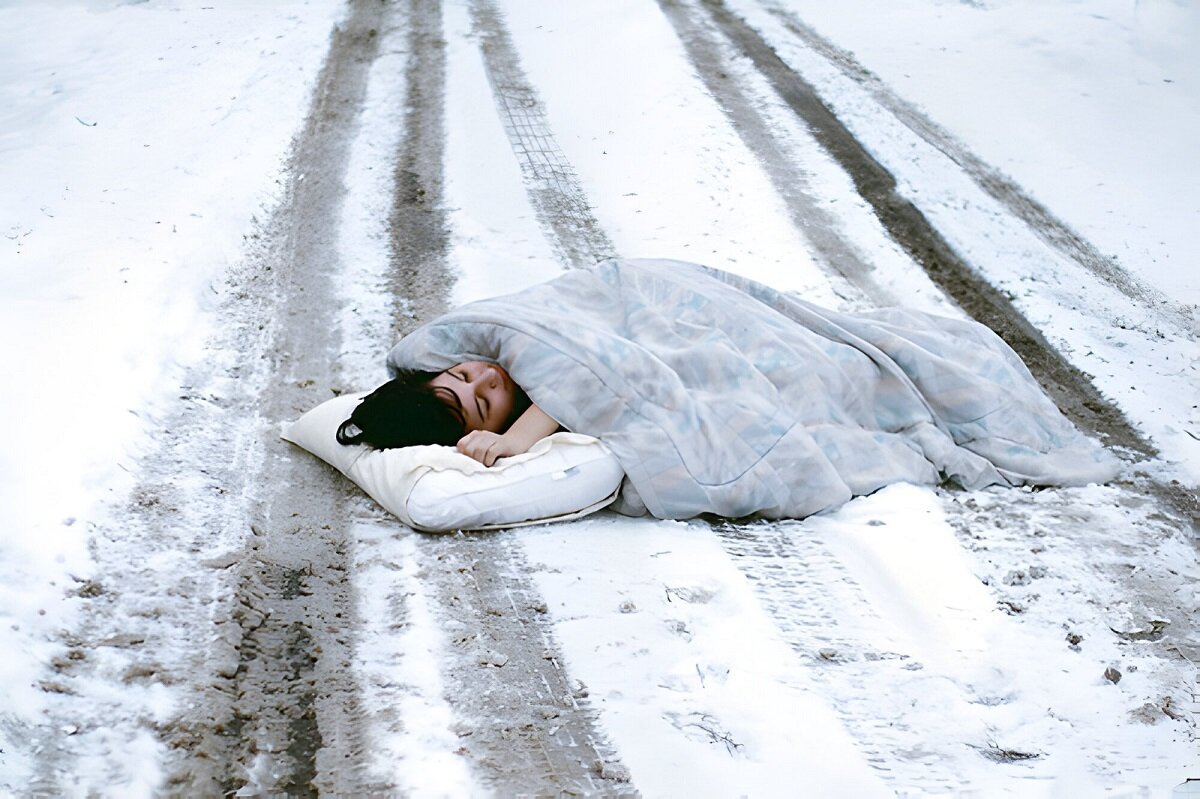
(721, 395)
(474, 406)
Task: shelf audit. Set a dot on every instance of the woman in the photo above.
(721, 395)
(474, 406)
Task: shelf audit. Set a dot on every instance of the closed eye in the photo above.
(451, 401)
(465, 377)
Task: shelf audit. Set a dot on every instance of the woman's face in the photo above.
(480, 394)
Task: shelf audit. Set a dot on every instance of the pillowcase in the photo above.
(435, 488)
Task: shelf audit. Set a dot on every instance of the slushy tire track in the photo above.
(528, 728)
(420, 233)
(256, 625)
(282, 715)
(525, 727)
(550, 179)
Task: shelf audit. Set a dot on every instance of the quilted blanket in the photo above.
(721, 395)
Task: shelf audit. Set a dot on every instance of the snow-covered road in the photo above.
(192, 607)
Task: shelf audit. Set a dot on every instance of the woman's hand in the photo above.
(486, 447)
(533, 425)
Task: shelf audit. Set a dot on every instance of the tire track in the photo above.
(714, 66)
(550, 179)
(282, 712)
(824, 615)
(1040, 220)
(525, 724)
(525, 728)
(256, 624)
(420, 236)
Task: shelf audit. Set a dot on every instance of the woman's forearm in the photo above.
(531, 427)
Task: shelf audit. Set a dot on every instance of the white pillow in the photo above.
(434, 488)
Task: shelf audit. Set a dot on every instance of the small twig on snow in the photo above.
(999, 754)
(708, 726)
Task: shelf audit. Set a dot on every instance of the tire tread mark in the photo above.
(284, 715)
(560, 203)
(528, 729)
(525, 732)
(811, 596)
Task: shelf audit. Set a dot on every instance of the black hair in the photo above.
(408, 411)
(403, 412)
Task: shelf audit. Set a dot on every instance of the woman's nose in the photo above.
(488, 377)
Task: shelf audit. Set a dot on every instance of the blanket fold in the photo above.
(721, 395)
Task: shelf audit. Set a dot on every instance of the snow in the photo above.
(412, 723)
(138, 141)
(673, 193)
(712, 711)
(893, 630)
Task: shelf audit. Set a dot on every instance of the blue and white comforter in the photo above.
(721, 395)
